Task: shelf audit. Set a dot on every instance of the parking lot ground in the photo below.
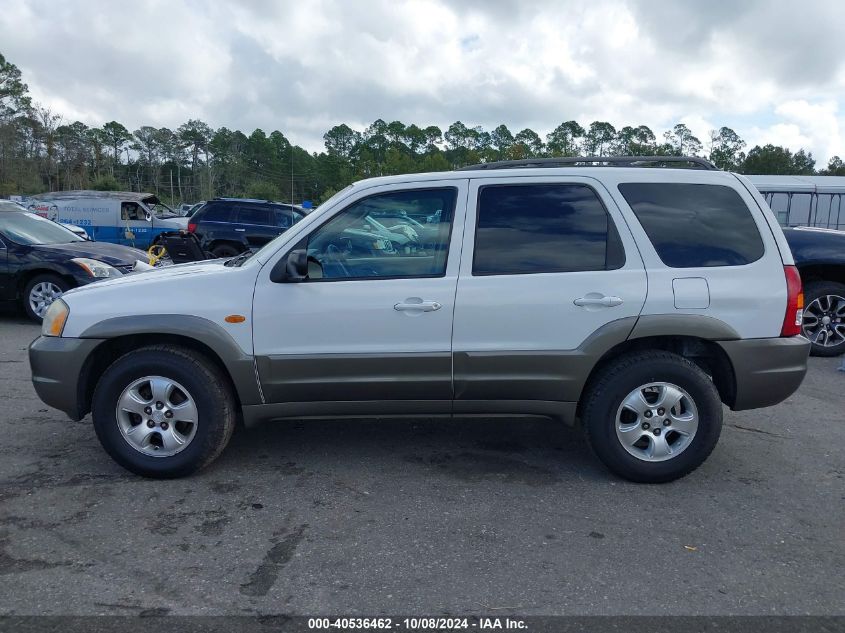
(502, 516)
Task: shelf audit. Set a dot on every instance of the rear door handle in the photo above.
(598, 300)
(240, 230)
(409, 305)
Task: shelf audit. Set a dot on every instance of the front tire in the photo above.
(652, 417)
(824, 317)
(163, 411)
(40, 292)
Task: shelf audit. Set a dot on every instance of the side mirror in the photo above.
(148, 216)
(291, 269)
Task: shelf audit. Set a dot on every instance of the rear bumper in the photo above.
(767, 371)
(58, 370)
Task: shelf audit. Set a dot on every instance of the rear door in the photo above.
(256, 223)
(547, 263)
(6, 284)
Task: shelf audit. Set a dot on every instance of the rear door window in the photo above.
(693, 225)
(543, 228)
(254, 214)
(216, 213)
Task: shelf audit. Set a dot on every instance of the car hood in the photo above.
(192, 269)
(111, 254)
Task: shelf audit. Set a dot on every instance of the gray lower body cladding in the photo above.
(767, 370)
(58, 371)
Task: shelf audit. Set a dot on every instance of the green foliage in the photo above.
(106, 182)
(39, 151)
(263, 190)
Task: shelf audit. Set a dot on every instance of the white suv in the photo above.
(633, 301)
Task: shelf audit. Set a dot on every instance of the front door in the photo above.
(373, 322)
(550, 265)
(6, 284)
(135, 227)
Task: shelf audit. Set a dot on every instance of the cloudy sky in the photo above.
(773, 70)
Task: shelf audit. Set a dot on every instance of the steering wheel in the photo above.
(336, 255)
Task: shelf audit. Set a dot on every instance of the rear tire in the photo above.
(40, 292)
(825, 299)
(139, 435)
(633, 435)
(224, 250)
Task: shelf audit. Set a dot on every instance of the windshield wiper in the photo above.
(237, 260)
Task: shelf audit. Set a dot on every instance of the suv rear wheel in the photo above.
(163, 411)
(652, 416)
(224, 250)
(824, 317)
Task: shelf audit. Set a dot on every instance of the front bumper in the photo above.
(59, 369)
(766, 370)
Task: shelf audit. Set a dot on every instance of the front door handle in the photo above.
(415, 304)
(598, 300)
(240, 230)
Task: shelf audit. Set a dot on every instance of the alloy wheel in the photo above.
(824, 321)
(656, 421)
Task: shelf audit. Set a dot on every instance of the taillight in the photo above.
(192, 227)
(794, 302)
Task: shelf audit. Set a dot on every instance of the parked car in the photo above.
(186, 210)
(575, 292)
(229, 226)
(120, 217)
(820, 257)
(41, 259)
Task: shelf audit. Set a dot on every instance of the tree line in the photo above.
(40, 151)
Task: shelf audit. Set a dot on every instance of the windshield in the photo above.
(29, 229)
(161, 210)
(270, 246)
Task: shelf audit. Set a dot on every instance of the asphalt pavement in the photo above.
(426, 517)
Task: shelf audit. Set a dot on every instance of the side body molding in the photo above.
(697, 325)
(240, 366)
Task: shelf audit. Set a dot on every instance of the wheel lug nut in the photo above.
(667, 422)
(646, 426)
(168, 414)
(164, 426)
(150, 423)
(657, 431)
(159, 405)
(648, 414)
(661, 411)
(148, 410)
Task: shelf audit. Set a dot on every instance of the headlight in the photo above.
(55, 319)
(96, 268)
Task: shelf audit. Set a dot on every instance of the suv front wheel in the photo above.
(163, 411)
(652, 416)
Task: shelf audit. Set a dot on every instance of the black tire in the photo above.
(224, 250)
(57, 281)
(625, 374)
(208, 387)
(813, 291)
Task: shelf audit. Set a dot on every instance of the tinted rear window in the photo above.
(554, 228)
(215, 213)
(695, 225)
(254, 215)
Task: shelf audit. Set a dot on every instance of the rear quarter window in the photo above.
(215, 213)
(692, 225)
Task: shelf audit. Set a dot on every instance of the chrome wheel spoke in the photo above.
(686, 424)
(172, 441)
(133, 402)
(139, 436)
(630, 434)
(185, 412)
(658, 447)
(670, 396)
(636, 402)
(161, 388)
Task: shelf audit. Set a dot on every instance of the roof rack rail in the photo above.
(587, 161)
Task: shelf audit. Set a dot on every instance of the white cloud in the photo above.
(303, 67)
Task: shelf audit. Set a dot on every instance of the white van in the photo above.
(120, 217)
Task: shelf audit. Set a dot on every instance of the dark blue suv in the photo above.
(229, 226)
